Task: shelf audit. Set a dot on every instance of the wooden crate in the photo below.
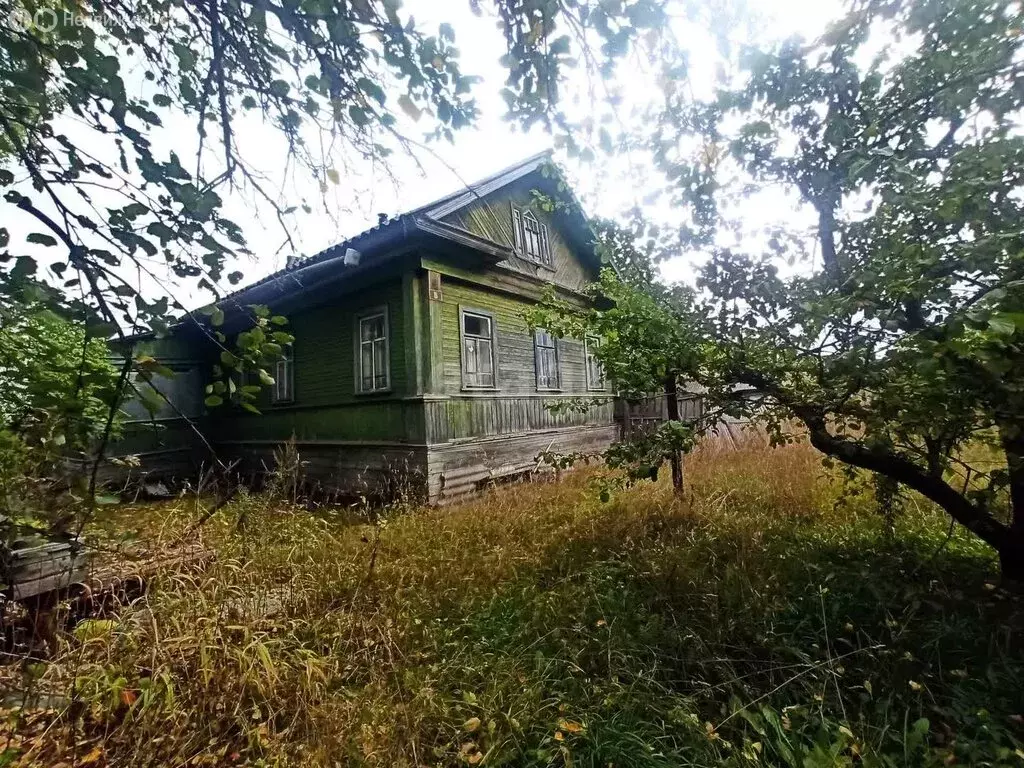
(36, 570)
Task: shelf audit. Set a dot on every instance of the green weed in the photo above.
(766, 619)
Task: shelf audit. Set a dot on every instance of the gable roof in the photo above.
(372, 245)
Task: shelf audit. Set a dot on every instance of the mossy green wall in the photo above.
(491, 217)
(515, 405)
(326, 405)
(516, 368)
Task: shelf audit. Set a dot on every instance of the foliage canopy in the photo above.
(893, 329)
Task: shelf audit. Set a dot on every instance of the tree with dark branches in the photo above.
(893, 331)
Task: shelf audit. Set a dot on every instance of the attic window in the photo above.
(531, 237)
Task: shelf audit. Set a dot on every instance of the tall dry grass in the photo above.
(764, 618)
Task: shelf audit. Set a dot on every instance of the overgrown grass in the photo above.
(756, 622)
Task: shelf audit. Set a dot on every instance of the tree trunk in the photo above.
(672, 402)
(1006, 540)
(1011, 552)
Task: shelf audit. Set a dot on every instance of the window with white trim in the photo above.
(595, 371)
(531, 237)
(283, 390)
(545, 355)
(372, 357)
(477, 331)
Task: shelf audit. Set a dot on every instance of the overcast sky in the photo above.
(605, 187)
(490, 145)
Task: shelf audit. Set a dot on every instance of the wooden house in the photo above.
(412, 361)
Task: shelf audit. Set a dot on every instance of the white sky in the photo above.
(606, 188)
(494, 143)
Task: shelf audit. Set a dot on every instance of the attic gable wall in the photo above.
(491, 217)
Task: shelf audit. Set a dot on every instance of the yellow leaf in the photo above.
(559, 736)
(914, 686)
(570, 726)
(94, 756)
(867, 687)
(471, 725)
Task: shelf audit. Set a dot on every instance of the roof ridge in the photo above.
(301, 263)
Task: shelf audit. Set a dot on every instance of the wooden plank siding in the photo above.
(461, 468)
(491, 217)
(428, 428)
(325, 403)
(516, 372)
(459, 418)
(478, 436)
(168, 442)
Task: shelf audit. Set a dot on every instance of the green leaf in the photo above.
(41, 238)
(212, 401)
(372, 90)
(279, 88)
(409, 107)
(1002, 325)
(359, 116)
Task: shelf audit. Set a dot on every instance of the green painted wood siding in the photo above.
(491, 217)
(462, 417)
(387, 421)
(516, 368)
(325, 403)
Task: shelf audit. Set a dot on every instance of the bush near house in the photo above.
(767, 618)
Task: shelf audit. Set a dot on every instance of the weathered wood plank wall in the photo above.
(491, 217)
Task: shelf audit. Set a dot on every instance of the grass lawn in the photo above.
(765, 619)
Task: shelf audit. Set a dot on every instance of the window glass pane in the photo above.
(371, 328)
(380, 364)
(366, 365)
(475, 325)
(373, 353)
(477, 350)
(545, 367)
(595, 371)
(485, 358)
(282, 389)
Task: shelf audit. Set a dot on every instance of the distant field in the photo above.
(767, 619)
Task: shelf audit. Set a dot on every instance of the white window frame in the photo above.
(283, 390)
(492, 340)
(556, 384)
(590, 343)
(531, 242)
(362, 317)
